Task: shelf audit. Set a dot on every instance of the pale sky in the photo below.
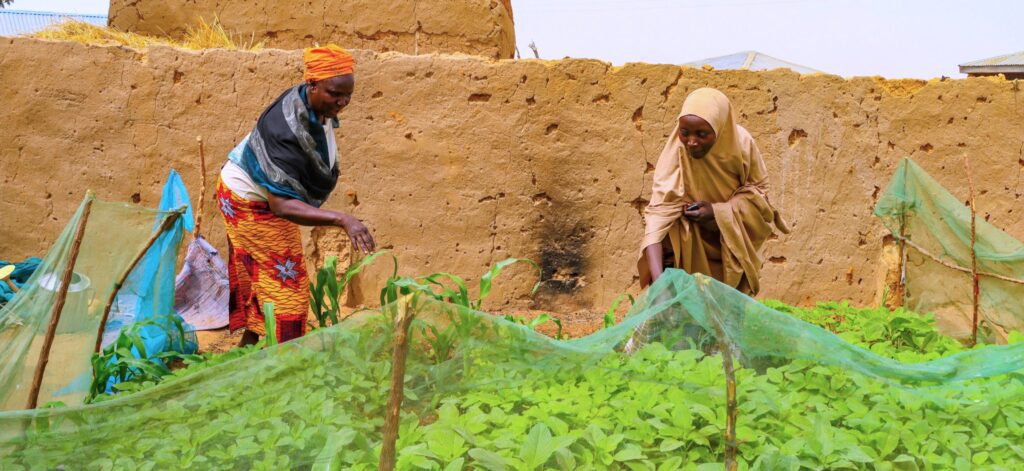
(892, 38)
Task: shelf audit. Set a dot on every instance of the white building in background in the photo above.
(751, 60)
(1010, 65)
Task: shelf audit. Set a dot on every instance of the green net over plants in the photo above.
(937, 272)
(483, 392)
(113, 237)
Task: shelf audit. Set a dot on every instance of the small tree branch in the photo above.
(399, 353)
(58, 306)
(974, 254)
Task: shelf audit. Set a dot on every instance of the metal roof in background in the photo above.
(751, 60)
(18, 22)
(1005, 63)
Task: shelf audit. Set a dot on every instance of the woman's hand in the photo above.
(305, 215)
(701, 213)
(358, 232)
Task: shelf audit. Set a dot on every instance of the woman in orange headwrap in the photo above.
(275, 180)
(709, 211)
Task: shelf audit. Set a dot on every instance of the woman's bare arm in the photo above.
(306, 215)
(654, 260)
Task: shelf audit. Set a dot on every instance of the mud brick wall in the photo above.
(457, 162)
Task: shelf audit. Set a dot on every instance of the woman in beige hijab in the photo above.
(709, 211)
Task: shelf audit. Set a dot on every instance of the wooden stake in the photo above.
(395, 397)
(730, 379)
(202, 188)
(166, 224)
(730, 407)
(51, 330)
(974, 255)
(901, 283)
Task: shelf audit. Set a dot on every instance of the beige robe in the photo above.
(733, 178)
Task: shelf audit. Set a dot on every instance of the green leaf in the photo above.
(710, 467)
(538, 321)
(415, 456)
(906, 463)
(892, 440)
(670, 444)
(446, 444)
(364, 262)
(822, 436)
(609, 315)
(327, 459)
(460, 298)
(538, 447)
(565, 459)
(406, 285)
(489, 459)
(856, 454)
(270, 323)
(671, 464)
(455, 465)
(488, 278)
(773, 459)
(629, 453)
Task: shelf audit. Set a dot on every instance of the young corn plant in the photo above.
(326, 290)
(433, 286)
(609, 315)
(127, 364)
(558, 334)
(462, 321)
(536, 322)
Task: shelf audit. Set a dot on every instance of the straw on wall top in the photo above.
(202, 35)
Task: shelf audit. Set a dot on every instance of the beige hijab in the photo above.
(733, 177)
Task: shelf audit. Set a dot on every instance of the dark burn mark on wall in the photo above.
(562, 258)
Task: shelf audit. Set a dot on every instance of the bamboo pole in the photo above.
(202, 188)
(395, 397)
(974, 254)
(51, 330)
(166, 224)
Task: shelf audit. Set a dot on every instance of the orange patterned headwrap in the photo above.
(326, 62)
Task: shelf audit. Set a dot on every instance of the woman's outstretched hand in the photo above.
(303, 214)
(358, 232)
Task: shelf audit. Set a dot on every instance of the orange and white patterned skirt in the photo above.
(265, 264)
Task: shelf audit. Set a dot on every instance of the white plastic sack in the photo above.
(201, 290)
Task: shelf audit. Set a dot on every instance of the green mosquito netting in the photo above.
(936, 225)
(114, 235)
(485, 393)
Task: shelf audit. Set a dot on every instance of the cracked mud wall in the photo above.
(478, 27)
(458, 162)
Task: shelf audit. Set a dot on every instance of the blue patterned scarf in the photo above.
(287, 152)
